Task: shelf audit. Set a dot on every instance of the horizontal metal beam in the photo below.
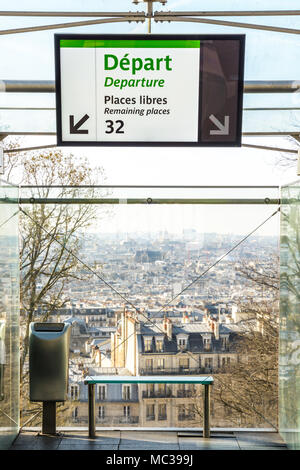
(27, 149)
(48, 86)
(27, 86)
(86, 14)
(232, 24)
(147, 201)
(114, 17)
(134, 186)
(230, 13)
(274, 149)
(292, 133)
(32, 29)
(105, 14)
(271, 86)
(269, 133)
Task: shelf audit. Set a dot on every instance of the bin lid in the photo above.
(49, 326)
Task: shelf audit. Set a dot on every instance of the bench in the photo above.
(154, 379)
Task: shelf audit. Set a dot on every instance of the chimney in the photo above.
(165, 323)
(217, 330)
(123, 314)
(169, 329)
(206, 316)
(185, 318)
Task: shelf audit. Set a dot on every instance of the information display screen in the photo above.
(149, 90)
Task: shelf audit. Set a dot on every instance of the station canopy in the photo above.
(271, 102)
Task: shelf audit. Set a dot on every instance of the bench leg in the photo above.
(206, 424)
(92, 427)
(49, 418)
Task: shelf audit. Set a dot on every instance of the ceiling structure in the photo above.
(271, 107)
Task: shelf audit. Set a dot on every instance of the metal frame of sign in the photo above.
(199, 143)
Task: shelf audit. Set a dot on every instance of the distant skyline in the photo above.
(176, 218)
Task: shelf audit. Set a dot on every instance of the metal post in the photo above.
(49, 417)
(206, 426)
(149, 14)
(92, 427)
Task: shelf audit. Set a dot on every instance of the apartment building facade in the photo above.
(149, 348)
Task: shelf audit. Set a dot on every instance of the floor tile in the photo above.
(209, 444)
(154, 446)
(148, 440)
(100, 439)
(88, 447)
(148, 436)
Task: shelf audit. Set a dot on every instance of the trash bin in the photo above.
(49, 361)
(49, 368)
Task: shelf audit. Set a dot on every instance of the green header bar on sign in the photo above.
(125, 43)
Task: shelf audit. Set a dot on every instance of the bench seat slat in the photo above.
(151, 379)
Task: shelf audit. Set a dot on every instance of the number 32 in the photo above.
(110, 127)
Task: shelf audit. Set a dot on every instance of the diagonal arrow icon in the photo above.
(223, 129)
(75, 128)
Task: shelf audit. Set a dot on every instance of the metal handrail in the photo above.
(250, 86)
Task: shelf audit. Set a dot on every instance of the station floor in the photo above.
(149, 440)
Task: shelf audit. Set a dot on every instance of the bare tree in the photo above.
(249, 388)
(245, 391)
(50, 235)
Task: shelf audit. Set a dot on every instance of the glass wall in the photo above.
(289, 358)
(162, 283)
(9, 315)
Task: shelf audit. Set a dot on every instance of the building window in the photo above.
(162, 390)
(160, 363)
(208, 362)
(126, 411)
(74, 392)
(150, 413)
(181, 412)
(184, 363)
(148, 344)
(159, 345)
(149, 364)
(190, 412)
(181, 391)
(182, 343)
(206, 342)
(162, 412)
(101, 412)
(225, 361)
(102, 392)
(186, 412)
(126, 392)
(225, 342)
(150, 390)
(75, 412)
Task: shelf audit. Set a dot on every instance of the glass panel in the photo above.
(136, 309)
(9, 316)
(289, 369)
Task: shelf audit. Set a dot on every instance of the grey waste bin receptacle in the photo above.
(49, 361)
(49, 368)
